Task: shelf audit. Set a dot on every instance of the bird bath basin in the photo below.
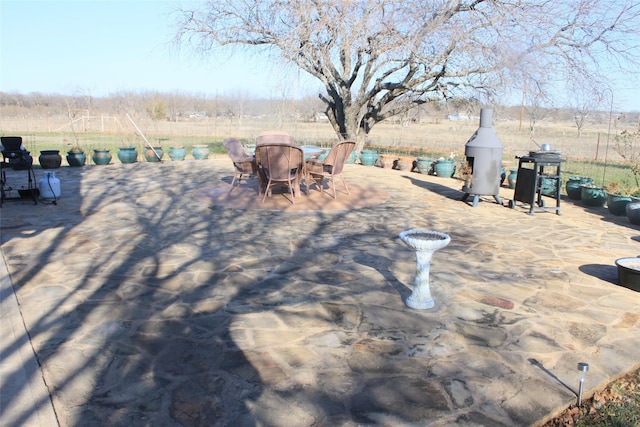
(425, 243)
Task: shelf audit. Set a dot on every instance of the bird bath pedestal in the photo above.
(425, 243)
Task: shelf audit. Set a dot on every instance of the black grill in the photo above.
(545, 156)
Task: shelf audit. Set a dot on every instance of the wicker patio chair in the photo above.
(280, 164)
(317, 171)
(243, 163)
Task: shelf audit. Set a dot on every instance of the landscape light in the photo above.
(582, 368)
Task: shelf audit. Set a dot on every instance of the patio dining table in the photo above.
(308, 151)
(311, 151)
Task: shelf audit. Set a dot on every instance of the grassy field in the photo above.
(591, 155)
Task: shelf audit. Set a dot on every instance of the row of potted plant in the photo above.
(77, 157)
(426, 165)
(619, 199)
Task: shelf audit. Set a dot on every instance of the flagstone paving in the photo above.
(149, 301)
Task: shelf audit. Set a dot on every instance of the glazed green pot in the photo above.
(445, 168)
(368, 157)
(512, 177)
(424, 164)
(76, 158)
(632, 210)
(200, 152)
(127, 154)
(352, 157)
(548, 187)
(177, 153)
(153, 155)
(592, 196)
(573, 186)
(101, 157)
(617, 204)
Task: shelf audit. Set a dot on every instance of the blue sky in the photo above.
(109, 46)
(103, 47)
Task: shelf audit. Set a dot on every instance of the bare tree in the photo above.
(370, 54)
(536, 105)
(584, 98)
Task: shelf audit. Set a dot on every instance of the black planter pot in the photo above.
(629, 272)
(633, 211)
(50, 159)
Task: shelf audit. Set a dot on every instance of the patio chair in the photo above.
(280, 164)
(16, 157)
(243, 163)
(316, 171)
(274, 137)
(14, 153)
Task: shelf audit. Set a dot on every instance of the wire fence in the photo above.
(597, 142)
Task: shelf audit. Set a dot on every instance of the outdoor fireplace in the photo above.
(484, 161)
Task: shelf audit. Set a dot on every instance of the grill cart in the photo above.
(538, 175)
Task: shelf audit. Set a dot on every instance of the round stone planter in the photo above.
(127, 154)
(592, 196)
(177, 153)
(50, 159)
(200, 152)
(617, 204)
(76, 158)
(101, 157)
(153, 155)
(629, 273)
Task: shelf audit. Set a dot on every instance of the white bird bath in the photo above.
(425, 243)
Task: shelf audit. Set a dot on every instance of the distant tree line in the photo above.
(159, 106)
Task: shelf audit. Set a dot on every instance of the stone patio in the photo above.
(148, 300)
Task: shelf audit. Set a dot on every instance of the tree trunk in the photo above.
(360, 139)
